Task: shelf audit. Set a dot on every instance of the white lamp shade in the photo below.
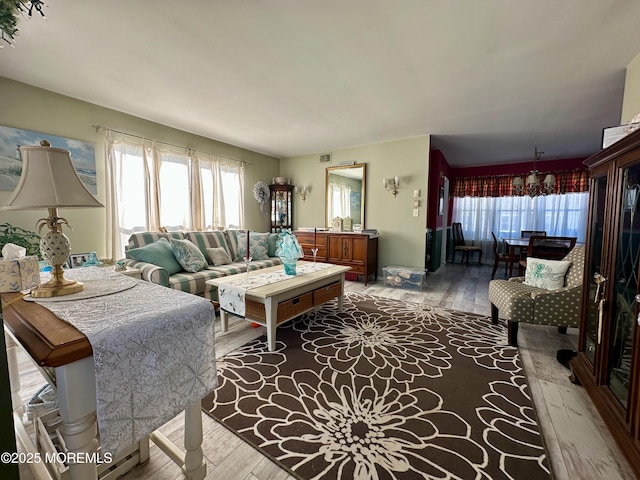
(549, 179)
(533, 180)
(517, 182)
(48, 180)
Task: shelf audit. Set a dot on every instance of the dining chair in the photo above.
(459, 245)
(498, 257)
(529, 233)
(550, 248)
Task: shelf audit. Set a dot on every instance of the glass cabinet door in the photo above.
(281, 207)
(594, 267)
(623, 307)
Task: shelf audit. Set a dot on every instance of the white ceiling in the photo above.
(487, 79)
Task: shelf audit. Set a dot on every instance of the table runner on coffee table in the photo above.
(231, 294)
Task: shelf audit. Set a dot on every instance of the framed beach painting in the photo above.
(83, 156)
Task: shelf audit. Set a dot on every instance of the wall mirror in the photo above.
(344, 194)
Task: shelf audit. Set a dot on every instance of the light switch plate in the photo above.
(416, 212)
(416, 193)
(416, 203)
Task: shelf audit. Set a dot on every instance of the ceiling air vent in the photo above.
(325, 158)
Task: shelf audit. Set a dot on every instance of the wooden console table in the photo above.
(356, 250)
(58, 347)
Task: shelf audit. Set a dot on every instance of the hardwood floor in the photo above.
(577, 441)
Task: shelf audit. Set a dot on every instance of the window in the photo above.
(152, 188)
(175, 191)
(339, 198)
(130, 178)
(558, 215)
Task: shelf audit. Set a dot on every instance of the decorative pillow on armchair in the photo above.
(188, 255)
(258, 246)
(158, 253)
(547, 274)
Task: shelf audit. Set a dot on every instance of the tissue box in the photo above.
(20, 274)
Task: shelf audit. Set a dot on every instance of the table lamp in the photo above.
(48, 180)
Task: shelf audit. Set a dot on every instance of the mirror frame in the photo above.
(327, 220)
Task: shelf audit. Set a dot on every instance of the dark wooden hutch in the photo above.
(608, 361)
(281, 207)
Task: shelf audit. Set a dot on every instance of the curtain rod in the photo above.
(102, 128)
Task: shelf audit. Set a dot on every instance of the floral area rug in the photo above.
(384, 390)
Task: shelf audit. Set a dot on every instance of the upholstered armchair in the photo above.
(517, 302)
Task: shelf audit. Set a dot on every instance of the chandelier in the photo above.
(532, 186)
(9, 15)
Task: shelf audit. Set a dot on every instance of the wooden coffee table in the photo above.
(276, 303)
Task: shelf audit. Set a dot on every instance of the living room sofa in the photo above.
(194, 282)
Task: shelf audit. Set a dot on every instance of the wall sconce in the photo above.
(391, 184)
(302, 192)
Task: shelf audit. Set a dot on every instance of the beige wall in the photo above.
(631, 100)
(42, 111)
(402, 236)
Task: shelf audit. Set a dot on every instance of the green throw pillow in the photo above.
(188, 255)
(547, 274)
(158, 253)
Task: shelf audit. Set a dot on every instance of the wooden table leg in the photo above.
(76, 386)
(195, 467)
(224, 321)
(512, 250)
(271, 311)
(14, 375)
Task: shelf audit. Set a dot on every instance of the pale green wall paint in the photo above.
(402, 236)
(631, 100)
(39, 110)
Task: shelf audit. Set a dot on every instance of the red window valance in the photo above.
(572, 181)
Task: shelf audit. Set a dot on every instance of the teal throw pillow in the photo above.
(547, 274)
(157, 253)
(188, 255)
(258, 246)
(273, 238)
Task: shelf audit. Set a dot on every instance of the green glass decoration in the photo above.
(289, 251)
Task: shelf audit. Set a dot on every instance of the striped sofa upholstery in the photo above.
(194, 282)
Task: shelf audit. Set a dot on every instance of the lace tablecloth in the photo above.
(231, 294)
(153, 350)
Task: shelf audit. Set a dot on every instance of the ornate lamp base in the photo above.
(53, 288)
(55, 249)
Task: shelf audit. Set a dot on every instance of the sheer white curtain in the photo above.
(339, 200)
(175, 190)
(558, 215)
(132, 181)
(222, 185)
(151, 187)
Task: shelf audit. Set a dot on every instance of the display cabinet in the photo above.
(608, 360)
(281, 207)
